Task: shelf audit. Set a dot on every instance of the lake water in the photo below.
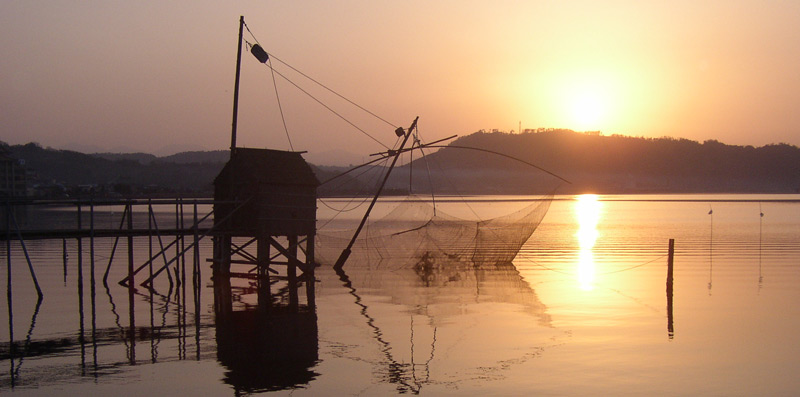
(582, 311)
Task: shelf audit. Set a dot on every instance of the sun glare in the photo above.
(587, 212)
(587, 111)
(585, 100)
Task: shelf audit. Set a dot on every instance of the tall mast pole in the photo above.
(236, 86)
(346, 252)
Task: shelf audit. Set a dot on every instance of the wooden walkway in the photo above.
(96, 233)
(11, 230)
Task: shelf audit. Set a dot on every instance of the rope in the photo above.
(365, 199)
(251, 33)
(334, 92)
(599, 274)
(427, 167)
(633, 267)
(280, 107)
(345, 209)
(327, 107)
(314, 98)
(502, 155)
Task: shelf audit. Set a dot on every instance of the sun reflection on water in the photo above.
(587, 212)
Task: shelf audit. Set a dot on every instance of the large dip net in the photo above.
(418, 235)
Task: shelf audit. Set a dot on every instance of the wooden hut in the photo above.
(278, 190)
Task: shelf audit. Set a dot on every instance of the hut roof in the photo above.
(269, 166)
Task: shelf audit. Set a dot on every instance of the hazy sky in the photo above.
(133, 75)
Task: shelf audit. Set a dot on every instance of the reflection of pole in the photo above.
(760, 228)
(64, 256)
(397, 372)
(670, 262)
(710, 250)
(346, 252)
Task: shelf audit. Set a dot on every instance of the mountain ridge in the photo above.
(592, 162)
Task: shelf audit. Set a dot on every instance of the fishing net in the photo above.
(418, 235)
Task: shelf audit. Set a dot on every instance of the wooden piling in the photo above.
(263, 283)
(292, 272)
(132, 317)
(82, 328)
(309, 273)
(670, 262)
(9, 295)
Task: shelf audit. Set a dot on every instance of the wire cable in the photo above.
(323, 86)
(280, 107)
(327, 107)
(334, 92)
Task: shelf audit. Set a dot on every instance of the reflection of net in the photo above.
(415, 235)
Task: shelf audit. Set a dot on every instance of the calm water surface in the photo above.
(581, 311)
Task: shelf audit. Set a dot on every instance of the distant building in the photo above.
(13, 181)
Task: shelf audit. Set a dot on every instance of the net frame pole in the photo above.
(346, 252)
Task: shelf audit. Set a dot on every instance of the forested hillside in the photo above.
(590, 162)
(619, 164)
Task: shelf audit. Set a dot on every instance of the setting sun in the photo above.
(588, 110)
(585, 99)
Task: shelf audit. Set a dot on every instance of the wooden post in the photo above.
(236, 86)
(263, 282)
(291, 272)
(92, 291)
(9, 295)
(132, 329)
(82, 329)
(310, 264)
(670, 262)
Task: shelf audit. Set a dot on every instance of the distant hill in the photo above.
(623, 164)
(115, 174)
(212, 157)
(142, 158)
(216, 156)
(591, 162)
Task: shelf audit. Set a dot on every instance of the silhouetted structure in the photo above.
(267, 197)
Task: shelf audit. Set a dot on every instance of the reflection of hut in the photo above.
(268, 352)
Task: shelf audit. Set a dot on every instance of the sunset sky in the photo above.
(158, 76)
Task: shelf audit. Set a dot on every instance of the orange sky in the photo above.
(112, 75)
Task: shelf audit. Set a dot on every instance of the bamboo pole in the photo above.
(346, 252)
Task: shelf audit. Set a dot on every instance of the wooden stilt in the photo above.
(291, 272)
(131, 300)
